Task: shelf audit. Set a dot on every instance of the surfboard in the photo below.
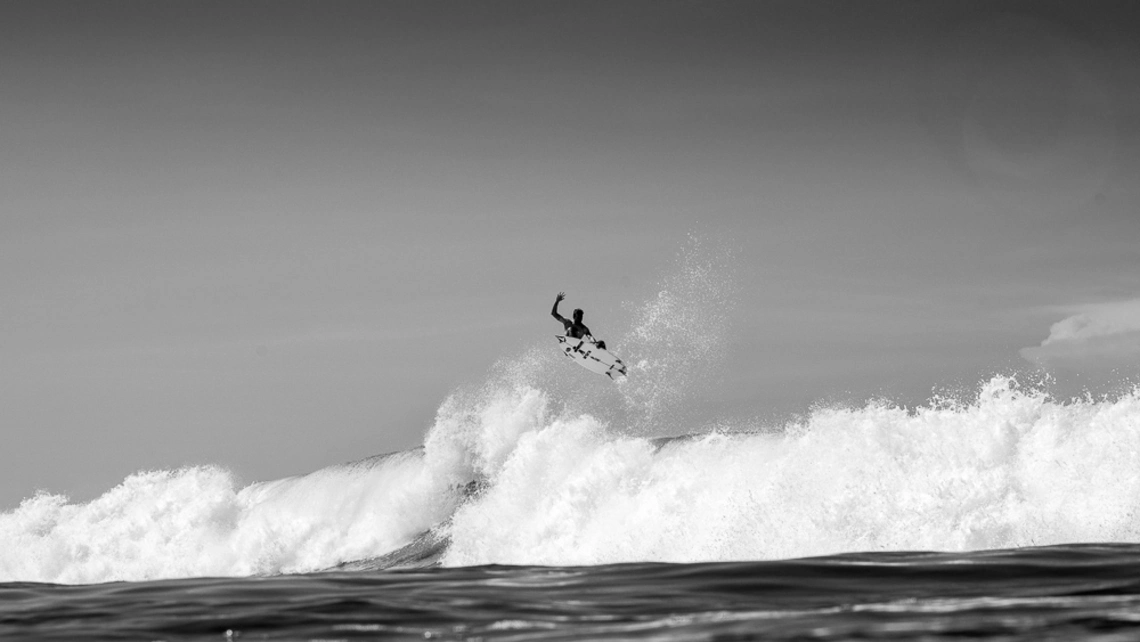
(588, 355)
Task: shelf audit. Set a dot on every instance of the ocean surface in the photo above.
(1053, 593)
(547, 502)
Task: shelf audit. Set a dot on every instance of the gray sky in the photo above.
(275, 235)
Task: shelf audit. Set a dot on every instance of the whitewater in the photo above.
(545, 464)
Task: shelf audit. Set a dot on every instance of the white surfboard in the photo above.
(588, 355)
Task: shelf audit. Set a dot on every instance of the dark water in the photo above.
(1054, 593)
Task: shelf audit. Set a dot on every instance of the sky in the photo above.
(273, 236)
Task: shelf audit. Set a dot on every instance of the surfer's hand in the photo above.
(561, 295)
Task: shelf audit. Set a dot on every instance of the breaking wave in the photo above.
(541, 465)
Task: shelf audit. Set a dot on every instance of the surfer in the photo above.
(575, 328)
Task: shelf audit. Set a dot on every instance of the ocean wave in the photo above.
(510, 476)
(544, 464)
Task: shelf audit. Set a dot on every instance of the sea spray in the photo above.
(677, 337)
(673, 341)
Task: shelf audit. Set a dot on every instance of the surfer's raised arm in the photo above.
(554, 310)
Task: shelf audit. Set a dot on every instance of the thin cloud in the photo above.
(1103, 334)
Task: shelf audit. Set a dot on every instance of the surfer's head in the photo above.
(578, 315)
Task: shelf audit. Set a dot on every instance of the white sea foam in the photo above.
(1011, 468)
(195, 522)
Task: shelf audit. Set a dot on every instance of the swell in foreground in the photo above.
(1026, 595)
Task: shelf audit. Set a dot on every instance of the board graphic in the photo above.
(586, 352)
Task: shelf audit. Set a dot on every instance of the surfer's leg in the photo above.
(602, 345)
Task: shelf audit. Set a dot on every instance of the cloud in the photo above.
(1097, 335)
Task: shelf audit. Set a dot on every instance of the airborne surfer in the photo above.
(580, 345)
(575, 328)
